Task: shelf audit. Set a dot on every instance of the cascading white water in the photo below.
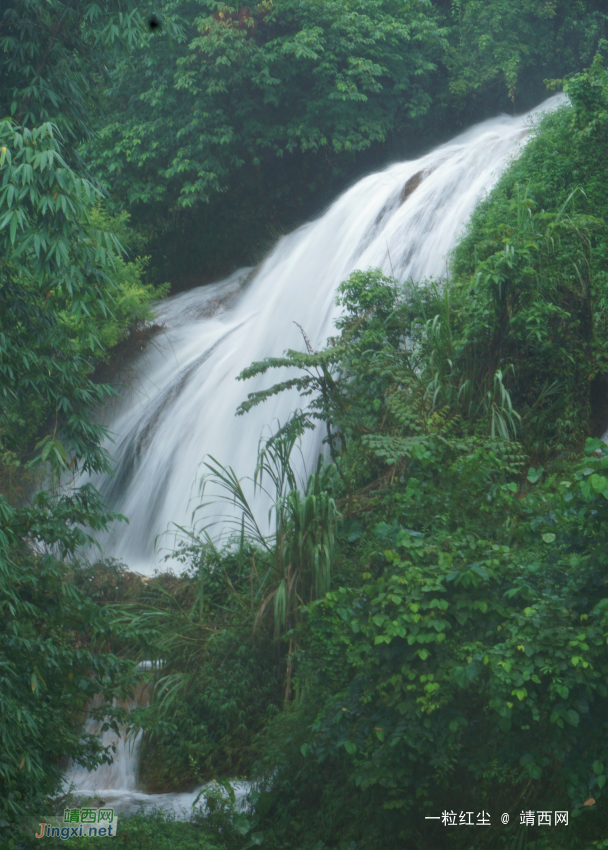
(115, 778)
(181, 405)
(116, 784)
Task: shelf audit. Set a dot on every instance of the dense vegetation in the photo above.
(427, 627)
(64, 293)
(230, 124)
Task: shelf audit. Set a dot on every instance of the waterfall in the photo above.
(181, 403)
(116, 781)
(117, 784)
(116, 778)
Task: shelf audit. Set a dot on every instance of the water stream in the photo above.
(118, 785)
(182, 399)
(181, 404)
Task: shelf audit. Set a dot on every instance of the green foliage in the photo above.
(297, 555)
(498, 41)
(214, 687)
(52, 55)
(55, 274)
(439, 624)
(347, 381)
(561, 161)
(266, 106)
(156, 831)
(517, 340)
(461, 661)
(477, 657)
(221, 674)
(131, 301)
(535, 260)
(466, 669)
(231, 124)
(61, 272)
(59, 257)
(588, 92)
(537, 308)
(56, 651)
(221, 814)
(305, 78)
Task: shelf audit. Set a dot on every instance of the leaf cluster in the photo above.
(58, 651)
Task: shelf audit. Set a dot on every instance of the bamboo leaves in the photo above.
(297, 552)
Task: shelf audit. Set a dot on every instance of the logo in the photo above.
(76, 823)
